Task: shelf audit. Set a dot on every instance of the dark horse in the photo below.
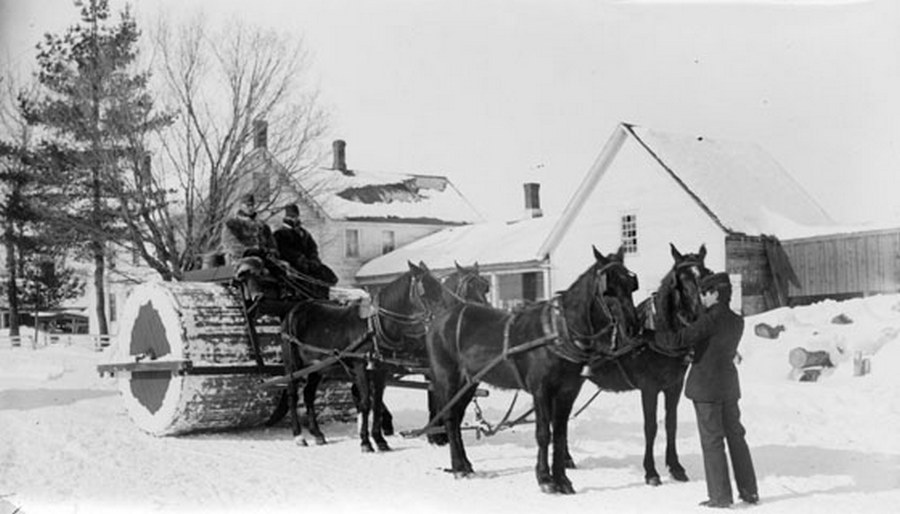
(652, 369)
(317, 332)
(541, 348)
(466, 285)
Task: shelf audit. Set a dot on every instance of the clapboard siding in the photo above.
(844, 265)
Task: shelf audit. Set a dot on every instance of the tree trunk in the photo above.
(100, 288)
(12, 290)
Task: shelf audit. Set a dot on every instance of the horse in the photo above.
(463, 284)
(315, 329)
(652, 369)
(541, 348)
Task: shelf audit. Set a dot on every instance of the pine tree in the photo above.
(97, 107)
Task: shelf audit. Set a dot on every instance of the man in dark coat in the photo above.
(297, 246)
(713, 385)
(246, 235)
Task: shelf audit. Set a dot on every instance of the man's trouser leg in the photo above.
(741, 462)
(712, 441)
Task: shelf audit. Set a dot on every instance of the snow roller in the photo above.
(186, 359)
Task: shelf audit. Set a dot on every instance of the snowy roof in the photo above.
(370, 195)
(742, 188)
(491, 243)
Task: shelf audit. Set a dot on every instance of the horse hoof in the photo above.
(300, 441)
(457, 474)
(321, 441)
(565, 488)
(548, 488)
(383, 447)
(654, 481)
(679, 475)
(366, 448)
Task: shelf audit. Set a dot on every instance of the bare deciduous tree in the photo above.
(221, 84)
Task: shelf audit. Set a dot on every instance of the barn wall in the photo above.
(845, 265)
(747, 258)
(635, 182)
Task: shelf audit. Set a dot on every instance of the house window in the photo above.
(629, 233)
(351, 243)
(387, 241)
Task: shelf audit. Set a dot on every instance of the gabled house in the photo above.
(506, 252)
(647, 189)
(356, 215)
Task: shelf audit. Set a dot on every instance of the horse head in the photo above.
(678, 296)
(615, 286)
(598, 306)
(468, 284)
(403, 306)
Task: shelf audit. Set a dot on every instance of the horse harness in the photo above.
(569, 345)
(381, 342)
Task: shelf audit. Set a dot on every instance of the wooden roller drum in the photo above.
(185, 362)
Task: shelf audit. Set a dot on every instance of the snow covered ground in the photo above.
(67, 444)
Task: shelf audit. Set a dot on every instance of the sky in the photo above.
(495, 93)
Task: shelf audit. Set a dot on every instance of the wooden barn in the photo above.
(645, 190)
(649, 188)
(845, 264)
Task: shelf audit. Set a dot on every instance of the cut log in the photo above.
(801, 358)
(203, 324)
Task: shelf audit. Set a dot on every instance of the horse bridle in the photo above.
(462, 285)
(421, 319)
(584, 352)
(694, 267)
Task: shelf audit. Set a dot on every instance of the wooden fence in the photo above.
(96, 341)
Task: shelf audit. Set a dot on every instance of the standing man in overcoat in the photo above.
(714, 387)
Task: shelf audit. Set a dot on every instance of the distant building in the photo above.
(356, 215)
(646, 189)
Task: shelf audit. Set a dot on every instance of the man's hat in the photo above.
(248, 199)
(715, 281)
(291, 210)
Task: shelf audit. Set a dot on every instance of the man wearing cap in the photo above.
(245, 235)
(296, 246)
(713, 385)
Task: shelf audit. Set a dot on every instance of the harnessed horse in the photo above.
(322, 337)
(541, 348)
(653, 369)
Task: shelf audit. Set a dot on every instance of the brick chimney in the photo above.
(533, 200)
(260, 133)
(340, 156)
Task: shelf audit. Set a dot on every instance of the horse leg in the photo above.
(309, 400)
(562, 408)
(649, 401)
(378, 383)
(672, 396)
(363, 406)
(460, 464)
(290, 365)
(446, 383)
(437, 439)
(387, 420)
(542, 411)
